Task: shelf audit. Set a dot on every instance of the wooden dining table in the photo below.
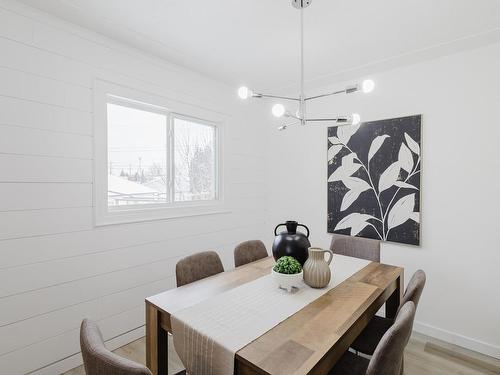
(310, 341)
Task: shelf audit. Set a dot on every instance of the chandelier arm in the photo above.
(337, 119)
(290, 115)
(285, 126)
(327, 94)
(258, 95)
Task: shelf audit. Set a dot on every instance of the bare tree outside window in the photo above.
(194, 155)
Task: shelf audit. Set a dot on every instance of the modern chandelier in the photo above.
(300, 115)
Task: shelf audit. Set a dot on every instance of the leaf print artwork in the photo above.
(356, 186)
(355, 183)
(389, 177)
(403, 184)
(374, 180)
(352, 219)
(333, 151)
(345, 132)
(356, 222)
(334, 140)
(405, 158)
(347, 168)
(376, 144)
(349, 199)
(412, 144)
(401, 211)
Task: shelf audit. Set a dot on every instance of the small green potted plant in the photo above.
(287, 272)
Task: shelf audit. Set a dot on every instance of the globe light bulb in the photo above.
(367, 86)
(278, 110)
(244, 92)
(355, 119)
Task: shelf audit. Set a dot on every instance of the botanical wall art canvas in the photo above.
(374, 179)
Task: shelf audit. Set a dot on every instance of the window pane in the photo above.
(195, 161)
(137, 156)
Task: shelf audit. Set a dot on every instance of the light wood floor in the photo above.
(423, 356)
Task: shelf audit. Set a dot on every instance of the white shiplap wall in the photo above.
(55, 266)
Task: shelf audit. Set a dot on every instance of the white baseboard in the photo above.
(75, 360)
(457, 339)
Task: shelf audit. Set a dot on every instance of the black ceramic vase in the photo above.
(291, 242)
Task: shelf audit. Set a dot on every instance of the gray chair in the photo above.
(356, 247)
(249, 251)
(198, 266)
(98, 360)
(388, 356)
(368, 340)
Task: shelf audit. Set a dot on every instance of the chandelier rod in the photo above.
(302, 106)
(302, 52)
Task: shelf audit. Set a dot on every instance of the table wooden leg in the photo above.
(156, 343)
(162, 351)
(392, 304)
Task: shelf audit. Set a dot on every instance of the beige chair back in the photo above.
(198, 266)
(388, 356)
(98, 360)
(415, 288)
(356, 247)
(249, 251)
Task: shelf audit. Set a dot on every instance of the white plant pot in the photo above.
(288, 281)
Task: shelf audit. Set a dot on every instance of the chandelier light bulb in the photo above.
(282, 127)
(278, 110)
(244, 92)
(367, 86)
(355, 119)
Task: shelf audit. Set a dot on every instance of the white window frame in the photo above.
(107, 92)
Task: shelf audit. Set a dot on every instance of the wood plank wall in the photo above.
(55, 266)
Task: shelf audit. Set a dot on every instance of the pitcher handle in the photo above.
(277, 226)
(302, 225)
(331, 256)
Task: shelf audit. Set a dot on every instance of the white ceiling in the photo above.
(255, 42)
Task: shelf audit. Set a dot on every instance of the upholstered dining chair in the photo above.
(369, 338)
(356, 247)
(388, 356)
(98, 360)
(249, 251)
(197, 266)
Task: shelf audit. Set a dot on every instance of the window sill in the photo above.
(114, 217)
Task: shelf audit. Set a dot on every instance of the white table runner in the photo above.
(207, 335)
